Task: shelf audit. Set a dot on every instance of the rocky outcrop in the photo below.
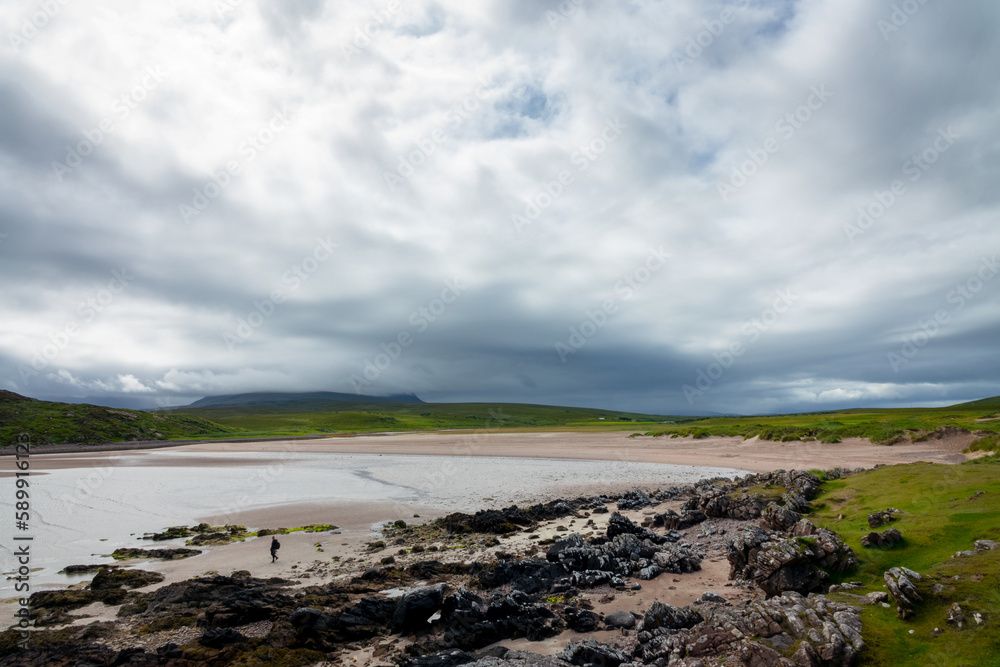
(883, 540)
(882, 517)
(635, 500)
(899, 581)
(625, 555)
(778, 564)
(165, 554)
(589, 652)
(813, 631)
(778, 518)
(671, 520)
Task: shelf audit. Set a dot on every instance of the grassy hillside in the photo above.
(981, 404)
(368, 417)
(947, 508)
(58, 423)
(879, 426)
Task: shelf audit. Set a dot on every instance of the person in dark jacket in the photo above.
(275, 545)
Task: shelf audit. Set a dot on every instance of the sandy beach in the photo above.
(754, 455)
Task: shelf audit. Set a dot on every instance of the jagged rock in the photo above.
(902, 590)
(594, 578)
(620, 525)
(416, 606)
(635, 500)
(814, 631)
(986, 545)
(660, 615)
(531, 575)
(671, 520)
(882, 540)
(712, 596)
(797, 563)
(590, 652)
(875, 597)
(882, 517)
(777, 518)
(677, 560)
(581, 620)
(620, 619)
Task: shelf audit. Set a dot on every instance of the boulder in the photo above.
(620, 619)
(114, 577)
(581, 620)
(589, 652)
(416, 607)
(882, 540)
(899, 581)
(660, 615)
(620, 525)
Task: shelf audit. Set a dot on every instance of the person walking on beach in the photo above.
(275, 545)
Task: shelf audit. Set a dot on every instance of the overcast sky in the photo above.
(683, 206)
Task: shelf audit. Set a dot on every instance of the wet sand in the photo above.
(754, 455)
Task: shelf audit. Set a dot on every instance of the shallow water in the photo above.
(79, 515)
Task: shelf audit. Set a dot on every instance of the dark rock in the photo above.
(620, 619)
(620, 525)
(530, 575)
(882, 517)
(589, 652)
(80, 569)
(661, 615)
(165, 554)
(712, 596)
(882, 540)
(671, 520)
(416, 607)
(451, 658)
(635, 500)
(217, 638)
(113, 577)
(581, 620)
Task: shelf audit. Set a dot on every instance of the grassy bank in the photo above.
(947, 508)
(883, 427)
(59, 423)
(349, 418)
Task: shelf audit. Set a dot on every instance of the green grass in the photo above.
(361, 418)
(882, 427)
(943, 515)
(58, 423)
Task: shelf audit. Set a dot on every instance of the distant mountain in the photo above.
(303, 400)
(983, 403)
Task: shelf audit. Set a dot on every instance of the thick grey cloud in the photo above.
(778, 205)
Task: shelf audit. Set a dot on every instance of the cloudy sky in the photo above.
(685, 206)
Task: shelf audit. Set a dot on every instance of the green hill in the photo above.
(59, 423)
(305, 417)
(981, 404)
